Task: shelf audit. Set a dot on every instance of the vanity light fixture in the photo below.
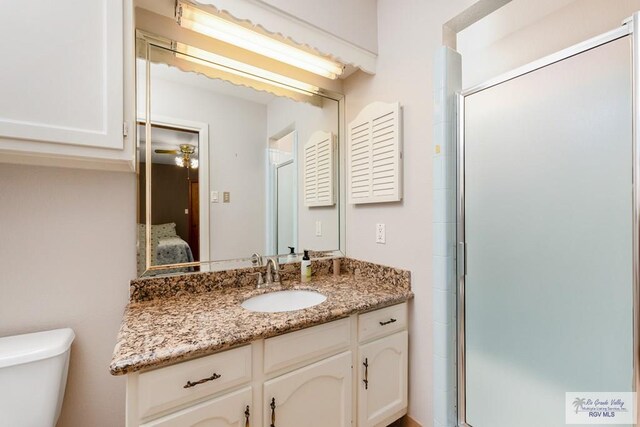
(222, 63)
(195, 19)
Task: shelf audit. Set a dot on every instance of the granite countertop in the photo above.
(170, 329)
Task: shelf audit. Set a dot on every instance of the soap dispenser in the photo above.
(305, 267)
(292, 257)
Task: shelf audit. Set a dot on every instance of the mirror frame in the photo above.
(144, 42)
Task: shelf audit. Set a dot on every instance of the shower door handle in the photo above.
(461, 254)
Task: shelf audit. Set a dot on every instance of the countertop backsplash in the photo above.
(147, 289)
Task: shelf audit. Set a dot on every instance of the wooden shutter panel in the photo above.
(319, 170)
(374, 155)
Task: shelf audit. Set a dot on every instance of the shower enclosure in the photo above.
(547, 234)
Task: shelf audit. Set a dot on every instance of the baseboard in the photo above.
(406, 421)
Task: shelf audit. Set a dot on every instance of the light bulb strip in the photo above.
(222, 63)
(213, 26)
(296, 62)
(249, 39)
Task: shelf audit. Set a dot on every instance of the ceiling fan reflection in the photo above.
(184, 155)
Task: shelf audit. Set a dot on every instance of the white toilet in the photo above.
(33, 376)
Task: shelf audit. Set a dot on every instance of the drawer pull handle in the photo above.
(366, 373)
(190, 384)
(247, 414)
(392, 320)
(273, 412)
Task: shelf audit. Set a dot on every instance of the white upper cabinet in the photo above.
(62, 80)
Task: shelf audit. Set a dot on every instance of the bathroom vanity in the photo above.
(195, 351)
(194, 357)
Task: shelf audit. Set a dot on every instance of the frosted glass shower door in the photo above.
(548, 232)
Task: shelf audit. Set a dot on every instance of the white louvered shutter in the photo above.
(319, 170)
(374, 155)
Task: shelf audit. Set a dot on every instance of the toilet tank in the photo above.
(33, 376)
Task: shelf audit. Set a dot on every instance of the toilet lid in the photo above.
(19, 349)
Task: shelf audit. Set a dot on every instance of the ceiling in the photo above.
(165, 139)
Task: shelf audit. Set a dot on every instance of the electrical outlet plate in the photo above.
(381, 235)
(318, 228)
(226, 197)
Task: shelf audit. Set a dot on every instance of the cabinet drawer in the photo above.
(229, 410)
(307, 344)
(382, 322)
(164, 388)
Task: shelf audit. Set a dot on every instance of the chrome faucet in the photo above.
(273, 272)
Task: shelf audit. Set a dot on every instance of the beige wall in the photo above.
(409, 32)
(67, 252)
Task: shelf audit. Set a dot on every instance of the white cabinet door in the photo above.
(382, 390)
(231, 410)
(318, 395)
(61, 83)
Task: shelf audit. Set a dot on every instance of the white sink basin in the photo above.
(279, 301)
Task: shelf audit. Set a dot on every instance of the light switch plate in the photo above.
(214, 197)
(226, 197)
(381, 234)
(318, 228)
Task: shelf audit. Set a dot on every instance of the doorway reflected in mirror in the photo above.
(175, 200)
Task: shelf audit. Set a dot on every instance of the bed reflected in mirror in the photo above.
(175, 199)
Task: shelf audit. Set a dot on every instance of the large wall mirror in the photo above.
(230, 163)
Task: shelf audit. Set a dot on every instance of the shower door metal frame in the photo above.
(630, 27)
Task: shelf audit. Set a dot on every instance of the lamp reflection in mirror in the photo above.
(184, 163)
(184, 160)
(222, 63)
(195, 19)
